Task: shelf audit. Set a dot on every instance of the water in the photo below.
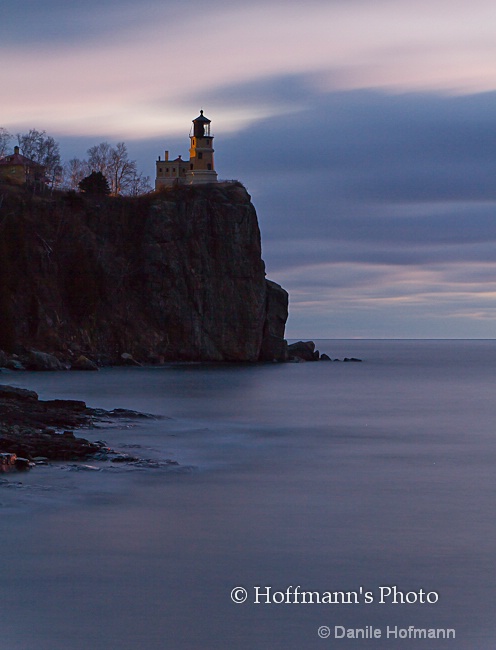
(327, 476)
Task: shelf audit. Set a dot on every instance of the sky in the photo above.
(364, 130)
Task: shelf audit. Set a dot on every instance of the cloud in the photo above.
(365, 133)
(130, 70)
(371, 203)
(348, 300)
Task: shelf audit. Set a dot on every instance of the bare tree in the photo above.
(139, 185)
(44, 150)
(115, 165)
(74, 172)
(122, 169)
(5, 138)
(99, 158)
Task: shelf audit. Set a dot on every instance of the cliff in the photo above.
(170, 276)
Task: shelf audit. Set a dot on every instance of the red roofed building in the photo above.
(21, 170)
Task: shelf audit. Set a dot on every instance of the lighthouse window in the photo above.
(167, 170)
(173, 169)
(191, 166)
(209, 166)
(200, 155)
(160, 169)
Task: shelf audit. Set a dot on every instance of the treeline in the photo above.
(112, 162)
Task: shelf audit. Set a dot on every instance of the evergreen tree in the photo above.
(95, 184)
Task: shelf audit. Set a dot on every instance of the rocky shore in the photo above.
(305, 351)
(37, 431)
(37, 360)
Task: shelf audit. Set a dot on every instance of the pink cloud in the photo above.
(140, 81)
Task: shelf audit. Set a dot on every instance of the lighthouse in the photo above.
(199, 169)
(201, 153)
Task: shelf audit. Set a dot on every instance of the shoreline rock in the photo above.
(36, 431)
(274, 348)
(305, 351)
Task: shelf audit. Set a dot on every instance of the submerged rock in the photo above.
(123, 458)
(129, 414)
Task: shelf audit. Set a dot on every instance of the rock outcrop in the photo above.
(171, 276)
(274, 346)
(28, 429)
(304, 350)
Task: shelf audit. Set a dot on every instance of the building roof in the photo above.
(18, 159)
(202, 118)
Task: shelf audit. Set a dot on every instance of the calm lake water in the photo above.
(332, 477)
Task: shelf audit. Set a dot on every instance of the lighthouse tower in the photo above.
(201, 153)
(199, 168)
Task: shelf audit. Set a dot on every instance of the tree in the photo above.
(99, 157)
(95, 184)
(122, 169)
(5, 138)
(44, 150)
(139, 185)
(114, 163)
(74, 172)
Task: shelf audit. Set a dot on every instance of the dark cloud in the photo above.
(375, 145)
(304, 253)
(427, 224)
(287, 92)
(59, 21)
(368, 177)
(32, 23)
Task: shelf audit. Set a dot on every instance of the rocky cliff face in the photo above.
(171, 276)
